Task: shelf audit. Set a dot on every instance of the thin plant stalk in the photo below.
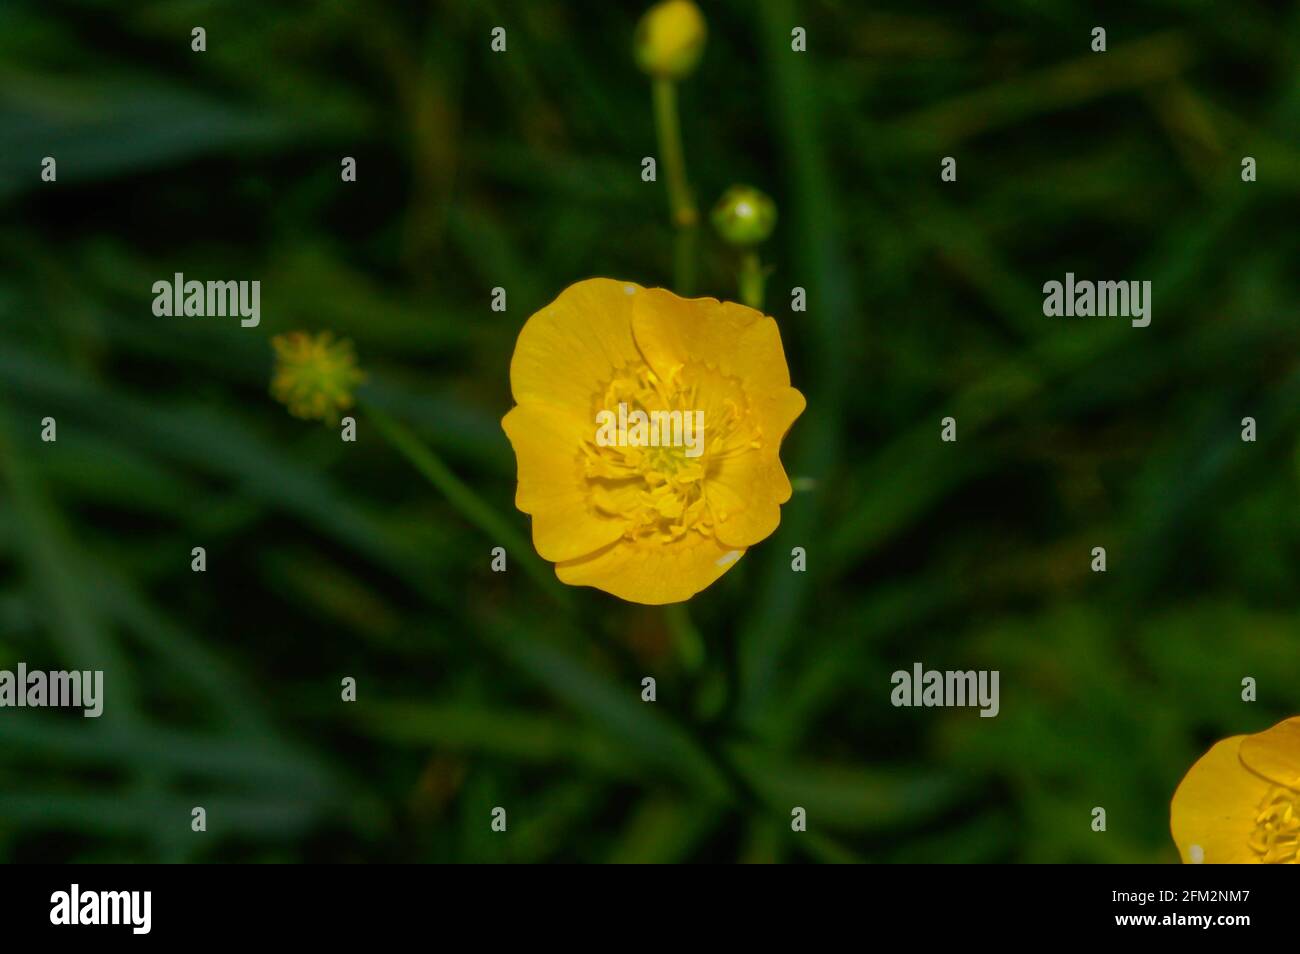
(681, 203)
(751, 279)
(469, 504)
(687, 640)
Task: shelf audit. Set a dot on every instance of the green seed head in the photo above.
(315, 376)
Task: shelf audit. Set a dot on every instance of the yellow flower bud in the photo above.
(314, 375)
(744, 216)
(670, 39)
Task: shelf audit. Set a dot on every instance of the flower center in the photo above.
(662, 440)
(1276, 838)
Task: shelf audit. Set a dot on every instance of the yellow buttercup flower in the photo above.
(315, 375)
(626, 495)
(1240, 803)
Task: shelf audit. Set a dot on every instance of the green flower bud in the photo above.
(670, 39)
(744, 216)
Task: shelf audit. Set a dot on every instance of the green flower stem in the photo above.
(472, 507)
(684, 242)
(686, 638)
(681, 204)
(751, 280)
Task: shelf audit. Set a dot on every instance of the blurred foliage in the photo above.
(522, 170)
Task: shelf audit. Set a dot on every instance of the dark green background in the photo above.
(522, 170)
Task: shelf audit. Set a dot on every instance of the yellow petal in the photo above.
(737, 340)
(776, 411)
(740, 342)
(1215, 808)
(552, 486)
(1275, 753)
(652, 573)
(745, 493)
(570, 349)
